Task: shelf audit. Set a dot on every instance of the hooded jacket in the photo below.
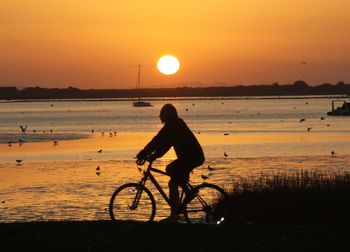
(175, 133)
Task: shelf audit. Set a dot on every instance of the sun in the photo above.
(168, 64)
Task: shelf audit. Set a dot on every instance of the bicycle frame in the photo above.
(148, 175)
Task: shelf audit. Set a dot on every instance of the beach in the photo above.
(75, 154)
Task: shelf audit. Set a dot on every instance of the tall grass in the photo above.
(292, 198)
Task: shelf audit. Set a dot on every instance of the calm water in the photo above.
(56, 182)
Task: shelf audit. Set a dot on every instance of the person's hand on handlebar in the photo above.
(141, 160)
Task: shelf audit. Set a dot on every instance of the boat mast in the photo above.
(138, 82)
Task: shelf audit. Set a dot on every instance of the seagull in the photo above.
(226, 134)
(20, 141)
(322, 118)
(308, 129)
(23, 129)
(333, 153)
(98, 168)
(302, 120)
(92, 131)
(115, 133)
(55, 142)
(19, 161)
(100, 151)
(9, 144)
(210, 168)
(225, 154)
(204, 177)
(110, 134)
(328, 125)
(102, 133)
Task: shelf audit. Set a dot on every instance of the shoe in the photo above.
(169, 219)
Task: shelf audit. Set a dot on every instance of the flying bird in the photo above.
(302, 120)
(23, 129)
(19, 161)
(100, 151)
(55, 142)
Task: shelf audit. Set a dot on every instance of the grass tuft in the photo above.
(305, 197)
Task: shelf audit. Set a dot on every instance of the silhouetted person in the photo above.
(175, 133)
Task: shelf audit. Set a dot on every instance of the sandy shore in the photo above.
(105, 235)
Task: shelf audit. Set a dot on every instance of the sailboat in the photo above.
(139, 102)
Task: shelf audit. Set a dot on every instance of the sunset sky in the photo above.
(99, 44)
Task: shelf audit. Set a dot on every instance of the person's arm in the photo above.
(158, 146)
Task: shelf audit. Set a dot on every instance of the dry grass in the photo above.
(293, 198)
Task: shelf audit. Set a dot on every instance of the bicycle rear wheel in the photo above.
(122, 206)
(208, 204)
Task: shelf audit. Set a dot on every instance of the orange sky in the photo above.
(99, 43)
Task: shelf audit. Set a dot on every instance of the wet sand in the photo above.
(61, 182)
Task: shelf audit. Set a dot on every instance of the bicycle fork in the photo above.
(137, 195)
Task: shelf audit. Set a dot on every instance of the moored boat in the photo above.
(139, 102)
(343, 110)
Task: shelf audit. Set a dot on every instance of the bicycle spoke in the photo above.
(129, 203)
(210, 205)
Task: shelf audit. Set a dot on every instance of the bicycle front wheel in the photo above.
(125, 205)
(208, 204)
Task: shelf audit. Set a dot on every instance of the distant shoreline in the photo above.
(298, 88)
(203, 98)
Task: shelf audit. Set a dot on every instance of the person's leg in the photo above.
(172, 170)
(173, 198)
(179, 174)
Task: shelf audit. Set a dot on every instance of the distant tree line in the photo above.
(299, 87)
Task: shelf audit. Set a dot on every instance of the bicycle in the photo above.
(205, 203)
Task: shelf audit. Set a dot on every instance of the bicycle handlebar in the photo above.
(143, 161)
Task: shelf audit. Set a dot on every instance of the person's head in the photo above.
(168, 113)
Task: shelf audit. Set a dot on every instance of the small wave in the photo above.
(40, 137)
